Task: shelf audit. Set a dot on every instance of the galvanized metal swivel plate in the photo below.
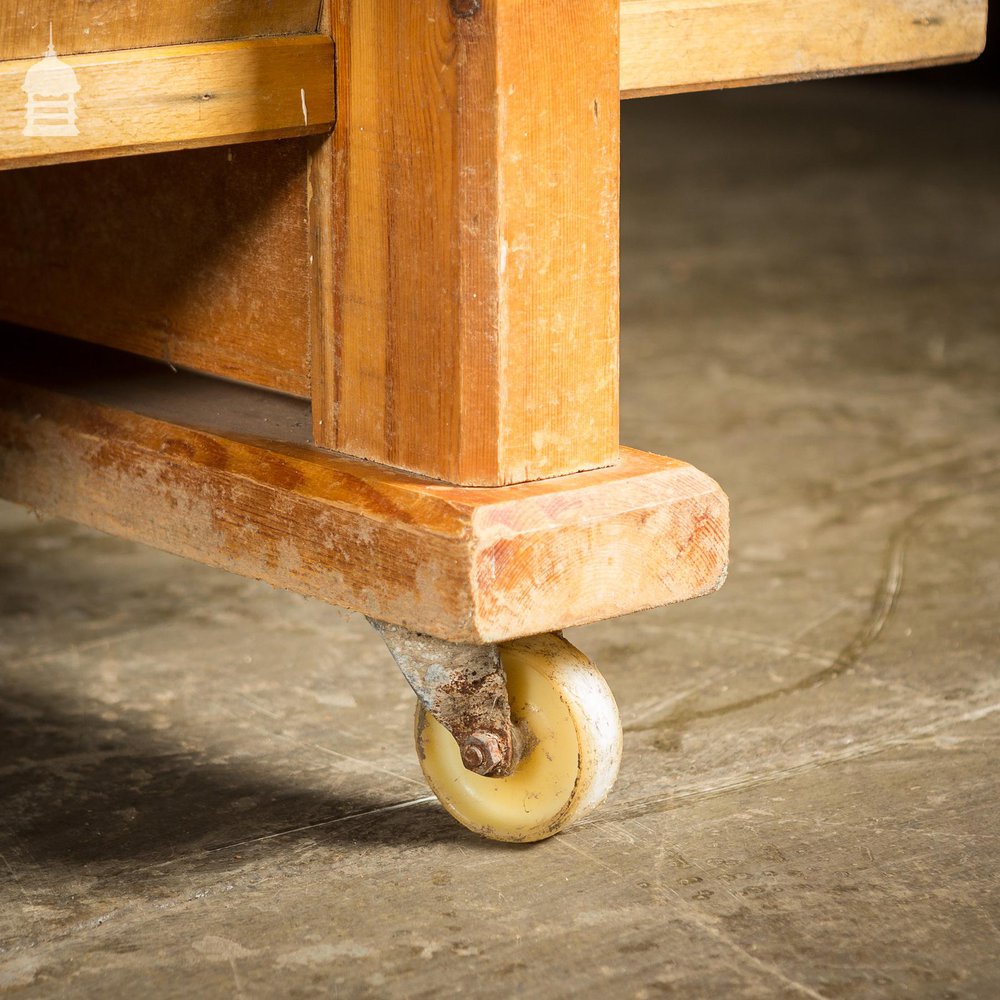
(464, 687)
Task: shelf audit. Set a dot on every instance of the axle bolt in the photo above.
(482, 753)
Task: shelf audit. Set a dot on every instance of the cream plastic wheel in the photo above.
(574, 740)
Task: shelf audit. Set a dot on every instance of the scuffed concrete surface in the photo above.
(208, 788)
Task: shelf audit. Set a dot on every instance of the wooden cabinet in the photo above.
(396, 224)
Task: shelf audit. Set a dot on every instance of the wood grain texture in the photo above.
(471, 329)
(223, 474)
(676, 45)
(175, 97)
(104, 25)
(199, 258)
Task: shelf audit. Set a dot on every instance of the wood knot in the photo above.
(465, 8)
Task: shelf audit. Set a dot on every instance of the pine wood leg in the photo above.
(467, 315)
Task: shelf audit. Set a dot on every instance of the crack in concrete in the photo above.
(883, 603)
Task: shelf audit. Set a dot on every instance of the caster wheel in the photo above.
(572, 737)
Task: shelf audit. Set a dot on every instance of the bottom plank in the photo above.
(225, 474)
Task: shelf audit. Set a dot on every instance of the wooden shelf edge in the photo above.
(135, 450)
(173, 97)
(677, 46)
(819, 74)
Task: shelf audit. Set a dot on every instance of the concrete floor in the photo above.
(208, 788)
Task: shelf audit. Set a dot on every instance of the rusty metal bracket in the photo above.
(464, 687)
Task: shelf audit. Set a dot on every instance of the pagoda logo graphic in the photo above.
(51, 86)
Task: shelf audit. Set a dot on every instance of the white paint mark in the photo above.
(51, 86)
(305, 110)
(311, 954)
(221, 949)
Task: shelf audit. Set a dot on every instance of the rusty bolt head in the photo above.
(465, 8)
(482, 753)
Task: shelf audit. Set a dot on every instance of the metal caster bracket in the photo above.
(464, 687)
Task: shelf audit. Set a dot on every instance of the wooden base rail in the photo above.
(223, 474)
